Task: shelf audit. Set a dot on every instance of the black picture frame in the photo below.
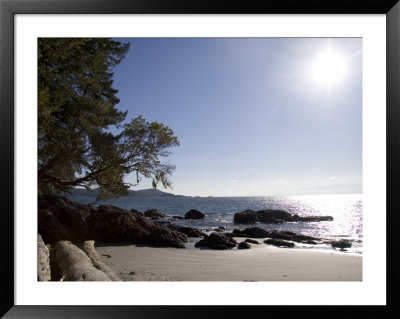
(9, 8)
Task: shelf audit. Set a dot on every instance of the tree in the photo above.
(77, 107)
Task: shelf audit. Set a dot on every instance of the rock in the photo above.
(310, 242)
(253, 232)
(220, 247)
(343, 243)
(177, 217)
(74, 218)
(303, 238)
(75, 265)
(244, 245)
(167, 222)
(105, 223)
(245, 217)
(252, 241)
(188, 231)
(191, 232)
(113, 224)
(43, 260)
(90, 251)
(274, 216)
(136, 212)
(288, 235)
(256, 232)
(316, 218)
(194, 214)
(154, 214)
(279, 242)
(217, 241)
(50, 228)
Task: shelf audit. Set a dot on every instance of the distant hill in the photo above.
(151, 192)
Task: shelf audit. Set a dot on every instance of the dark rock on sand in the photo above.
(220, 229)
(217, 241)
(274, 216)
(188, 231)
(253, 232)
(343, 243)
(244, 245)
(105, 223)
(251, 241)
(256, 232)
(50, 227)
(116, 225)
(279, 242)
(154, 214)
(194, 214)
(310, 242)
(288, 235)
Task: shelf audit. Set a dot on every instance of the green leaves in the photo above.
(142, 144)
(76, 107)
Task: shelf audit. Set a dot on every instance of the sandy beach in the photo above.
(260, 263)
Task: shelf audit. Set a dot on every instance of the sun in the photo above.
(328, 68)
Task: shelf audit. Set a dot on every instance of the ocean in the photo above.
(346, 211)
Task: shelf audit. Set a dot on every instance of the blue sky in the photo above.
(252, 115)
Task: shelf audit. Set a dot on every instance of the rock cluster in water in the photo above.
(274, 216)
(256, 232)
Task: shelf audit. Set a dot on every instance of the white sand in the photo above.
(260, 263)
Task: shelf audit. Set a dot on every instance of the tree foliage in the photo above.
(77, 107)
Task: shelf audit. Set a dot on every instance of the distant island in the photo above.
(151, 192)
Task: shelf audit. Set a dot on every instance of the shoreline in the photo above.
(260, 263)
(139, 251)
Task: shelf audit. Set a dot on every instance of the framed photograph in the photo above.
(253, 135)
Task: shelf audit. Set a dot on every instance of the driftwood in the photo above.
(88, 247)
(75, 265)
(43, 260)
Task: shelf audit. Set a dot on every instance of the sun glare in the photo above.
(328, 69)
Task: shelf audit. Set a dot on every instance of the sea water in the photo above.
(345, 209)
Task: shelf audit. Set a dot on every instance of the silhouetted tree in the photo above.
(76, 107)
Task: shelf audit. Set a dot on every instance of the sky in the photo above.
(254, 116)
